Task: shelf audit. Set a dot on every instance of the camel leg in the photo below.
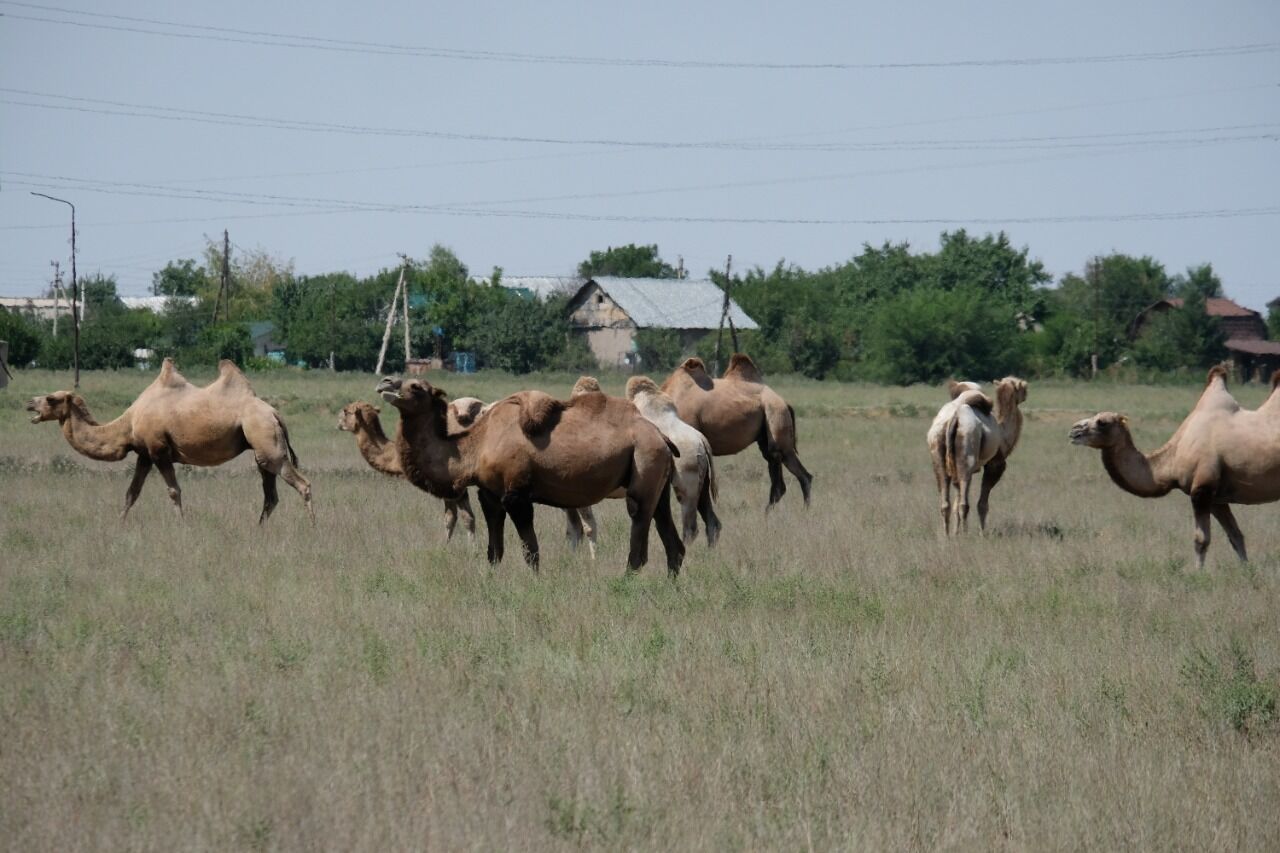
(1201, 502)
(639, 553)
(990, 476)
(587, 516)
(572, 529)
(468, 515)
(171, 480)
(140, 472)
(450, 518)
(944, 490)
(300, 483)
(1227, 519)
(520, 508)
(688, 516)
(667, 532)
(777, 486)
(792, 461)
(962, 503)
(706, 508)
(495, 518)
(270, 497)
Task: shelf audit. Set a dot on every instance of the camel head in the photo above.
(55, 407)
(354, 415)
(412, 396)
(586, 385)
(1106, 429)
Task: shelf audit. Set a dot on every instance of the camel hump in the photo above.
(587, 385)
(955, 389)
(976, 400)
(169, 375)
(232, 376)
(641, 385)
(1218, 371)
(694, 365)
(539, 412)
(742, 367)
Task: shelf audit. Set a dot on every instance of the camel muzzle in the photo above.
(1079, 433)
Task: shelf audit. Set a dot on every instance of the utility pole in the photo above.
(391, 319)
(57, 290)
(224, 279)
(1096, 274)
(724, 314)
(333, 318)
(75, 287)
(679, 266)
(405, 294)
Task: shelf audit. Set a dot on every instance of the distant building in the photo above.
(155, 304)
(542, 286)
(610, 310)
(39, 307)
(1253, 355)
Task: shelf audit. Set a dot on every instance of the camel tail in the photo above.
(949, 447)
(293, 456)
(712, 483)
(675, 451)
(795, 432)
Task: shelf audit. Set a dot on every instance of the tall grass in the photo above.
(837, 677)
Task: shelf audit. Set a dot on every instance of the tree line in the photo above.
(975, 306)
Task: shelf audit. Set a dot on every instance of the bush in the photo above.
(927, 334)
(23, 337)
(225, 340)
(660, 350)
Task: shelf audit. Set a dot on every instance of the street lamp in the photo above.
(75, 289)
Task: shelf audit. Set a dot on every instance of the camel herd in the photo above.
(531, 448)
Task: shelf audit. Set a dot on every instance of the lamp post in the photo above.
(75, 289)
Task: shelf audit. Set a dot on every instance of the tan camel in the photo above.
(530, 448)
(361, 419)
(173, 421)
(1220, 455)
(969, 434)
(736, 410)
(695, 478)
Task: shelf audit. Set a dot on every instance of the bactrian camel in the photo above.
(530, 448)
(362, 420)
(1220, 455)
(173, 421)
(736, 410)
(972, 434)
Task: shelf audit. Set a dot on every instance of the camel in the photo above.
(695, 478)
(736, 410)
(173, 421)
(361, 419)
(969, 434)
(530, 448)
(1220, 455)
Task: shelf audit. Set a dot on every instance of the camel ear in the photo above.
(1022, 391)
(77, 401)
(439, 394)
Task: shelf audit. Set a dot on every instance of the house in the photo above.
(609, 311)
(1252, 354)
(264, 342)
(39, 307)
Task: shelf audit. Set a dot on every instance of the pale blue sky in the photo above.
(986, 145)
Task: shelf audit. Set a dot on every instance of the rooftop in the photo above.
(671, 303)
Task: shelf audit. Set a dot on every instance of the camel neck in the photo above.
(1009, 417)
(1135, 472)
(431, 459)
(379, 451)
(105, 442)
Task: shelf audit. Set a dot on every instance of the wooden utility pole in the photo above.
(724, 314)
(679, 266)
(391, 319)
(57, 290)
(224, 279)
(405, 295)
(1096, 274)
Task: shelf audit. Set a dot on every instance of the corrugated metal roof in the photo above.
(1254, 347)
(543, 286)
(672, 303)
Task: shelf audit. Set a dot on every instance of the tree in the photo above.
(1199, 280)
(629, 261)
(926, 334)
(1108, 297)
(1273, 320)
(1185, 337)
(23, 337)
(180, 278)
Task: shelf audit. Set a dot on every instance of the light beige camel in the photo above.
(173, 421)
(736, 410)
(1220, 455)
(530, 448)
(695, 478)
(362, 420)
(970, 434)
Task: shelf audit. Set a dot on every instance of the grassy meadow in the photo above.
(840, 677)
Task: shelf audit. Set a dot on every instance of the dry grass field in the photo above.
(833, 678)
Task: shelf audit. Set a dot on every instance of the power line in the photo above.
(206, 32)
(243, 120)
(444, 210)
